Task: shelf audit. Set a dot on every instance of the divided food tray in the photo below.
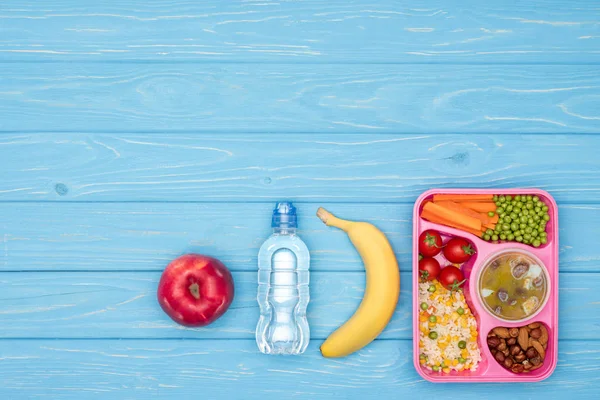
(490, 370)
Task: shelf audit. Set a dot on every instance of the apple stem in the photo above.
(195, 290)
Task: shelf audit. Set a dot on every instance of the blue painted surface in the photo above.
(132, 132)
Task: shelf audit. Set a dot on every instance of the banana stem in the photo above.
(331, 220)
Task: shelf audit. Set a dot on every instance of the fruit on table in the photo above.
(429, 268)
(195, 290)
(458, 250)
(451, 278)
(381, 293)
(430, 243)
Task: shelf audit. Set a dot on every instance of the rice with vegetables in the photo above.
(447, 330)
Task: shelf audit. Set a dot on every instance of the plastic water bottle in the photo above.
(283, 296)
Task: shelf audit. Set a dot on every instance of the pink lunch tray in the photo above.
(489, 370)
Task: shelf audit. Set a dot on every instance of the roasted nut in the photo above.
(508, 362)
(512, 340)
(523, 338)
(493, 341)
(506, 352)
(527, 365)
(536, 333)
(536, 360)
(499, 357)
(520, 357)
(491, 334)
(534, 325)
(517, 368)
(501, 332)
(539, 348)
(544, 338)
(536, 366)
(513, 332)
(514, 350)
(531, 352)
(502, 345)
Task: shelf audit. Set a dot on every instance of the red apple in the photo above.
(195, 290)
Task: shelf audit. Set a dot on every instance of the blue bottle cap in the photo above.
(284, 216)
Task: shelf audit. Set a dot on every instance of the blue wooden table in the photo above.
(135, 131)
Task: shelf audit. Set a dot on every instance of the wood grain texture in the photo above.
(147, 236)
(301, 31)
(299, 98)
(182, 369)
(318, 168)
(123, 305)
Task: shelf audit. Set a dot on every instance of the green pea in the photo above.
(544, 240)
(432, 319)
(525, 212)
(514, 216)
(498, 228)
(526, 241)
(529, 206)
(536, 218)
(502, 236)
(514, 226)
(487, 237)
(424, 306)
(518, 197)
(494, 237)
(435, 368)
(498, 204)
(519, 238)
(509, 208)
(500, 210)
(545, 208)
(536, 243)
(523, 219)
(460, 311)
(422, 357)
(537, 209)
(495, 197)
(543, 234)
(461, 360)
(491, 213)
(508, 197)
(507, 219)
(523, 226)
(518, 204)
(489, 232)
(527, 236)
(433, 335)
(532, 224)
(501, 199)
(462, 344)
(546, 217)
(431, 289)
(535, 199)
(510, 236)
(528, 197)
(534, 233)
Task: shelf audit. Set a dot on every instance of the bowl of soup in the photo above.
(513, 285)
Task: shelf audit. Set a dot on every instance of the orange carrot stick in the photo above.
(462, 197)
(432, 217)
(463, 210)
(480, 206)
(474, 224)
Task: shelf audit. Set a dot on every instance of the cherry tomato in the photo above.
(429, 268)
(451, 278)
(430, 243)
(458, 250)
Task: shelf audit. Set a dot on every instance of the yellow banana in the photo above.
(381, 292)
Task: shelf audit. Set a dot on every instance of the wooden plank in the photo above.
(307, 31)
(223, 369)
(123, 305)
(299, 98)
(323, 168)
(146, 236)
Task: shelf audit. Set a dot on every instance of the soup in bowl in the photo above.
(513, 285)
